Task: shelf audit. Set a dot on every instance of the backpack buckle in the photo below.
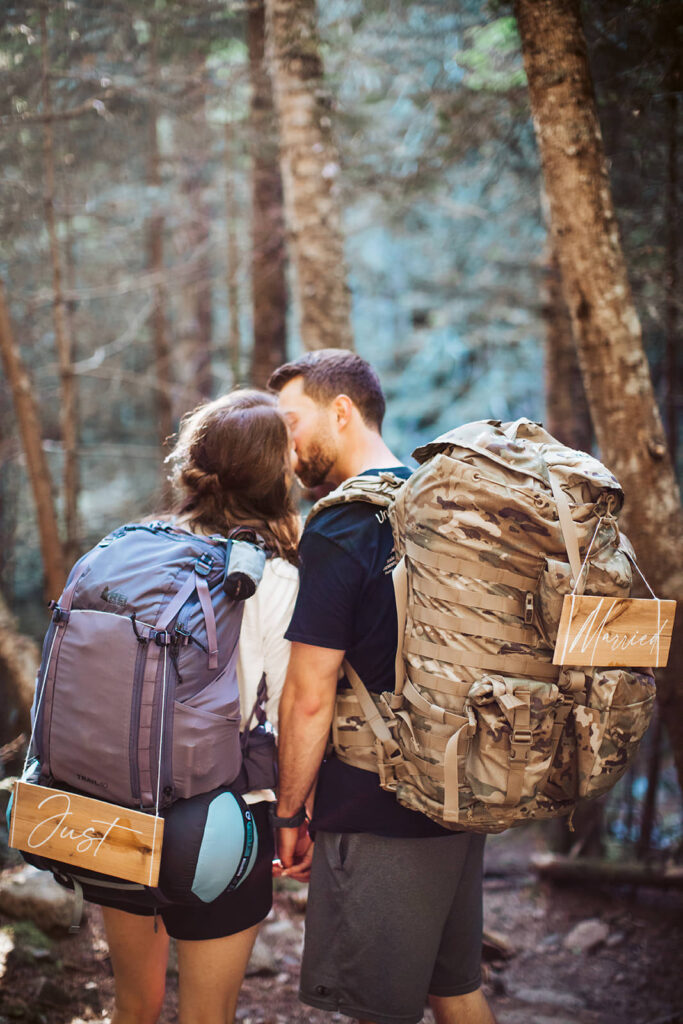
(528, 607)
(520, 745)
(160, 637)
(59, 614)
(203, 565)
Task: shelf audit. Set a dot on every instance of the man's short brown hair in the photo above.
(328, 372)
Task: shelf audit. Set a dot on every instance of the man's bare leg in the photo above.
(472, 1008)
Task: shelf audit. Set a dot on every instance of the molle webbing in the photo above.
(478, 570)
(511, 664)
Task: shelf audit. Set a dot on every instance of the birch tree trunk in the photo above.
(607, 331)
(155, 262)
(68, 415)
(268, 267)
(233, 254)
(310, 165)
(38, 470)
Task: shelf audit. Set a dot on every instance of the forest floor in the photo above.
(634, 975)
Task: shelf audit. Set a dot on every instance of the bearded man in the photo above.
(394, 911)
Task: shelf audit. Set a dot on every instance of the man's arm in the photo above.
(306, 710)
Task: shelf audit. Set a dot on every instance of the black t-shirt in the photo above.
(346, 602)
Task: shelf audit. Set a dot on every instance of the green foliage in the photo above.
(492, 57)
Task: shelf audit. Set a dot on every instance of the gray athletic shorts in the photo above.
(390, 921)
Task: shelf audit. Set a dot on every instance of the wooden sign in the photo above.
(613, 631)
(87, 833)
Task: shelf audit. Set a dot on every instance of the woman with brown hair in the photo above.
(232, 466)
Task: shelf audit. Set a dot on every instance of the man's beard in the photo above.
(314, 469)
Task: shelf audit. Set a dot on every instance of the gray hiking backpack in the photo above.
(482, 731)
(137, 698)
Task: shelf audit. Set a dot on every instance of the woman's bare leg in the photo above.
(138, 957)
(210, 974)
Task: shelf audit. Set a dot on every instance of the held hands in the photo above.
(295, 850)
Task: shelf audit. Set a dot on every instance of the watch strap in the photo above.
(293, 822)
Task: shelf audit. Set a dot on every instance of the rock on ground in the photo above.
(34, 895)
(587, 935)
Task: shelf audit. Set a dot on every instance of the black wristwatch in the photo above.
(293, 822)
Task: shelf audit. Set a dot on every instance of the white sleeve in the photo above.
(274, 624)
(262, 646)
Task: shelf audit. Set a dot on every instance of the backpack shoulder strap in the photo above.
(376, 489)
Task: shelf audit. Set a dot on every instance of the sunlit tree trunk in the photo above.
(68, 412)
(233, 254)
(155, 262)
(567, 414)
(615, 372)
(28, 420)
(310, 166)
(268, 280)
(19, 660)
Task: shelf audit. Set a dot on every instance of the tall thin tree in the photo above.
(310, 167)
(233, 251)
(64, 343)
(28, 419)
(607, 331)
(268, 257)
(155, 255)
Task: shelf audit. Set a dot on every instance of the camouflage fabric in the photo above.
(490, 732)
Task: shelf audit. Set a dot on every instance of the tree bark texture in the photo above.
(68, 414)
(38, 470)
(268, 254)
(607, 331)
(155, 265)
(672, 276)
(233, 255)
(310, 166)
(19, 661)
(567, 414)
(196, 148)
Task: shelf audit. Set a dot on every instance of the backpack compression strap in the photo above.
(379, 489)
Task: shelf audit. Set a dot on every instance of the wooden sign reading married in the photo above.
(613, 631)
(87, 833)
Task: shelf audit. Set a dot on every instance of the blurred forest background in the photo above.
(149, 258)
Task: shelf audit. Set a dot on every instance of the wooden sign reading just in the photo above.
(87, 833)
(613, 631)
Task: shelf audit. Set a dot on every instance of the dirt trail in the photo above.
(626, 965)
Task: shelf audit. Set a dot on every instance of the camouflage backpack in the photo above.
(482, 731)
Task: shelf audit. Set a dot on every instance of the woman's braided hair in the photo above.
(230, 467)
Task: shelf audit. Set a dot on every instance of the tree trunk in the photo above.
(310, 165)
(615, 372)
(231, 215)
(19, 661)
(671, 276)
(67, 413)
(194, 137)
(567, 414)
(268, 269)
(38, 471)
(155, 264)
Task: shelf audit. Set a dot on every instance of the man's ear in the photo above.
(343, 411)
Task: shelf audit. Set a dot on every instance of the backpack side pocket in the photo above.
(510, 753)
(610, 726)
